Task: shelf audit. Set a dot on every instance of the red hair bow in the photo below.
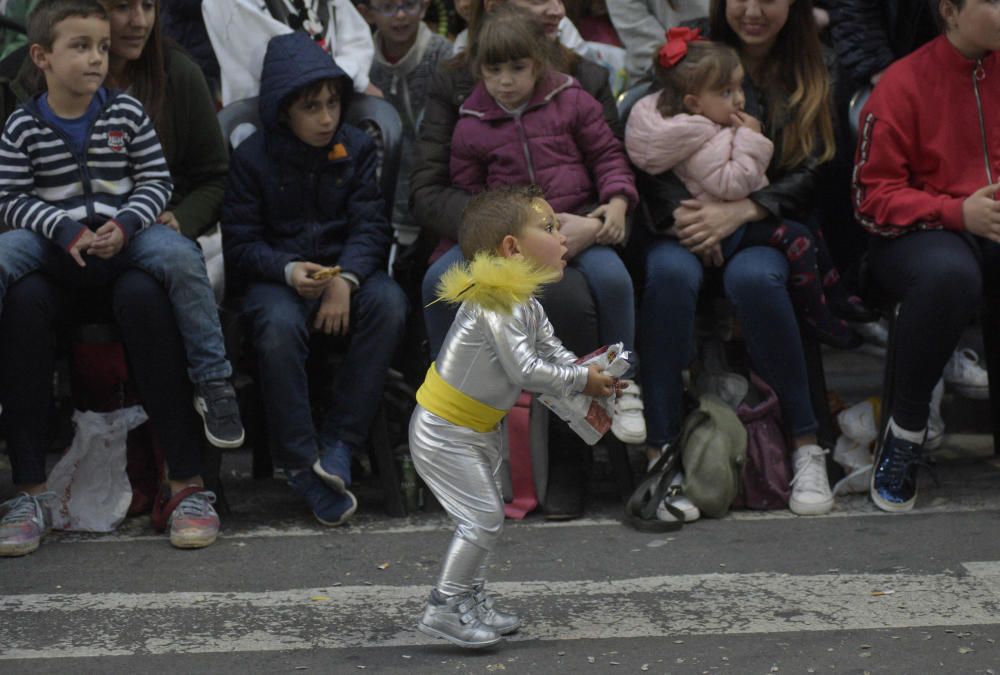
(676, 46)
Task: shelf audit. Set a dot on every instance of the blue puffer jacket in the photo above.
(288, 201)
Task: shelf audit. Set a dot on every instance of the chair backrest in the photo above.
(374, 115)
(368, 112)
(854, 109)
(629, 98)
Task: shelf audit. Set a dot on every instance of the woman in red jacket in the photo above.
(927, 161)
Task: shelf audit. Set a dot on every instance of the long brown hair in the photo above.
(148, 74)
(796, 81)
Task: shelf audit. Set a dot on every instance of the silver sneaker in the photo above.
(503, 623)
(456, 619)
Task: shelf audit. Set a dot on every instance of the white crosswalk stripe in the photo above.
(108, 624)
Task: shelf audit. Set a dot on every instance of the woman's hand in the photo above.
(702, 225)
(580, 232)
(981, 213)
(712, 257)
(612, 229)
(334, 314)
(372, 90)
(170, 220)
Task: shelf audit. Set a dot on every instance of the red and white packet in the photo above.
(591, 417)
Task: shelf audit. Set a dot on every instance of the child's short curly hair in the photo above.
(494, 214)
(707, 66)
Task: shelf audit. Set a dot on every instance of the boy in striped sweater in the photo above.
(82, 181)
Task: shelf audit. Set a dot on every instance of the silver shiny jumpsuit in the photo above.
(490, 357)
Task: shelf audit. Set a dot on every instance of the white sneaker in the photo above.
(935, 423)
(966, 376)
(811, 494)
(628, 425)
(680, 502)
(856, 460)
(858, 422)
(876, 335)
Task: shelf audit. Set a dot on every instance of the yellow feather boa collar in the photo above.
(495, 283)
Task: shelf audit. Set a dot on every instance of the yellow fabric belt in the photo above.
(459, 408)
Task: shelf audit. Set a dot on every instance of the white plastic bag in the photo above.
(90, 482)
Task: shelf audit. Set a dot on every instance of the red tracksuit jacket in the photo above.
(929, 137)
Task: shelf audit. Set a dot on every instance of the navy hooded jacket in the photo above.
(287, 201)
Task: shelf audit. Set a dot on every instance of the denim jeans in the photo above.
(571, 306)
(167, 256)
(611, 286)
(281, 326)
(756, 284)
(940, 281)
(39, 307)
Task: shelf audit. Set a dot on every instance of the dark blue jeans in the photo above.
(281, 327)
(939, 279)
(756, 283)
(38, 308)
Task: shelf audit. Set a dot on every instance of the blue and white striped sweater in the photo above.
(46, 187)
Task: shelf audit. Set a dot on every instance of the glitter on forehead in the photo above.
(539, 206)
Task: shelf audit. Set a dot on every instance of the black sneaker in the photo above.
(894, 478)
(215, 401)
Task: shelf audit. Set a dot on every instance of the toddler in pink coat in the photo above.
(697, 128)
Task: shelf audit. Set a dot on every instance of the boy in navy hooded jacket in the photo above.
(303, 197)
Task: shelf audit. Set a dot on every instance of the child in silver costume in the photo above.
(500, 343)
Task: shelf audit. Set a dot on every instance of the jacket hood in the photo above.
(293, 61)
(656, 144)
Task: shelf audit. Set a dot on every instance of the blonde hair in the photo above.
(492, 215)
(708, 66)
(796, 81)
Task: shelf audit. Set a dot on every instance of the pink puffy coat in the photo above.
(715, 163)
(560, 142)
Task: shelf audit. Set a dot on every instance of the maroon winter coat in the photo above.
(560, 142)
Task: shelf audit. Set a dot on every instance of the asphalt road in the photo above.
(852, 592)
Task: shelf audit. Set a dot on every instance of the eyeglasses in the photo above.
(408, 7)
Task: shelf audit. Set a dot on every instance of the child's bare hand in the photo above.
(109, 241)
(612, 214)
(304, 284)
(81, 246)
(599, 385)
(334, 314)
(170, 220)
(742, 119)
(981, 213)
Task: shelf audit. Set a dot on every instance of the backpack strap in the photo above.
(640, 509)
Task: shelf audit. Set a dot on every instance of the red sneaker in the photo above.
(194, 522)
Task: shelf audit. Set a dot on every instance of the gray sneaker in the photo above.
(504, 623)
(24, 520)
(456, 619)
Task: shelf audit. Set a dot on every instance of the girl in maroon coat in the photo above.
(526, 123)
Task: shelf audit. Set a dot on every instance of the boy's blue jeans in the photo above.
(281, 324)
(173, 260)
